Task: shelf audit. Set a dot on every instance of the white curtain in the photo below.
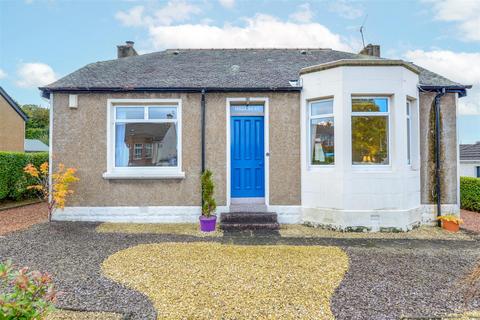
(318, 154)
(121, 150)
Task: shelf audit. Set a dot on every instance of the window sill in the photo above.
(144, 176)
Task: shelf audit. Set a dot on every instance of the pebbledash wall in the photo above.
(341, 196)
(79, 140)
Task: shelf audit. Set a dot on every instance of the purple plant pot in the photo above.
(207, 224)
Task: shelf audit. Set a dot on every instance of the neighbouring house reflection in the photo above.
(323, 141)
(146, 144)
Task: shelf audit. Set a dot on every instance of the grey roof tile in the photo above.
(210, 68)
(470, 151)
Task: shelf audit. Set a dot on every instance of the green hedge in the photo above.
(13, 181)
(470, 193)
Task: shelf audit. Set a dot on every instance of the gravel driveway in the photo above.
(22, 217)
(471, 221)
(386, 278)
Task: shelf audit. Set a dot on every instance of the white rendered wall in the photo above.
(469, 168)
(344, 195)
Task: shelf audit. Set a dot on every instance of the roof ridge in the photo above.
(243, 49)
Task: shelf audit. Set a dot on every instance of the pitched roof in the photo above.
(470, 151)
(172, 69)
(13, 104)
(34, 145)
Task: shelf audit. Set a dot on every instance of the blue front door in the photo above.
(247, 157)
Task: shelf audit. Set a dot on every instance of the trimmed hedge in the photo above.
(470, 193)
(13, 181)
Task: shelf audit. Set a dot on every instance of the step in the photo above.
(233, 226)
(248, 217)
(250, 207)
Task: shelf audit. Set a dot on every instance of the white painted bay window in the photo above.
(370, 130)
(322, 127)
(145, 139)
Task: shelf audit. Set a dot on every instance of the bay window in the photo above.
(321, 122)
(370, 130)
(144, 137)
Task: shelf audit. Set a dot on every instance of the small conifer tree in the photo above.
(208, 188)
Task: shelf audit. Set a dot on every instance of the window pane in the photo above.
(321, 107)
(137, 151)
(369, 105)
(148, 150)
(408, 140)
(130, 112)
(162, 112)
(159, 140)
(370, 140)
(322, 137)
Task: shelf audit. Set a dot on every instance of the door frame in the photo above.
(266, 127)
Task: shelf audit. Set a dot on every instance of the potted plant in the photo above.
(450, 222)
(208, 219)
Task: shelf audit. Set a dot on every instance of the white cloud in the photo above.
(3, 74)
(131, 18)
(173, 11)
(303, 14)
(345, 9)
(227, 3)
(35, 74)
(259, 31)
(461, 67)
(464, 12)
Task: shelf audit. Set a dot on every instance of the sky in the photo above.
(41, 41)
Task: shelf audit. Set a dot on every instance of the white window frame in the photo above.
(147, 172)
(135, 151)
(148, 150)
(374, 114)
(409, 131)
(309, 124)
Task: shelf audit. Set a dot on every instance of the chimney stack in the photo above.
(126, 50)
(371, 50)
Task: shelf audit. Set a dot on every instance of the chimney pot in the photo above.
(126, 50)
(371, 50)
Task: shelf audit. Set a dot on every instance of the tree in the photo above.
(37, 126)
(208, 188)
(61, 181)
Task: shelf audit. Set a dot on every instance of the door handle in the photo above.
(267, 154)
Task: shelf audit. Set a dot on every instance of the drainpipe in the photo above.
(438, 97)
(202, 107)
(202, 104)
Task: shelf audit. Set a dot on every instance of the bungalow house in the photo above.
(318, 136)
(470, 160)
(12, 124)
